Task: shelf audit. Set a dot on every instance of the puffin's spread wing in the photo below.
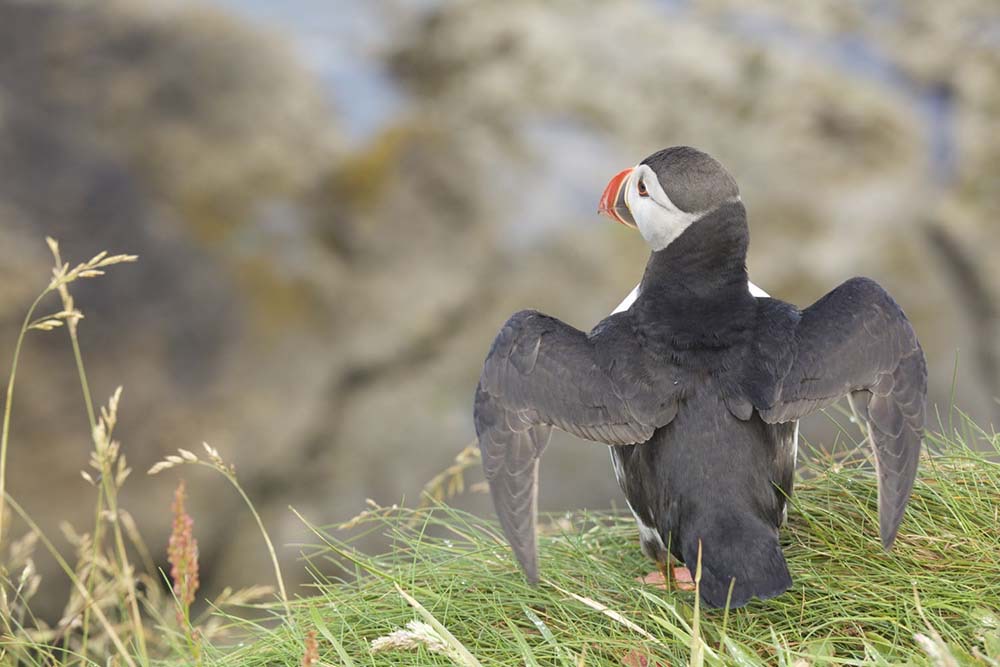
(856, 341)
(541, 372)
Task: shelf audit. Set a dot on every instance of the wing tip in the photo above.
(889, 520)
(888, 538)
(527, 559)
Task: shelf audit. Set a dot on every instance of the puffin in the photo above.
(697, 383)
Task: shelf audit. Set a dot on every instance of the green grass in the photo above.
(852, 603)
(451, 583)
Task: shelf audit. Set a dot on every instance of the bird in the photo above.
(697, 384)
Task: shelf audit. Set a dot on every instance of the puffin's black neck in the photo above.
(705, 263)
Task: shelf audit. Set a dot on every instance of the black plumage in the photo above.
(696, 387)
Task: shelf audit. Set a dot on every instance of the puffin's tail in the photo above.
(745, 549)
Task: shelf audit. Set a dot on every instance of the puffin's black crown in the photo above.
(695, 181)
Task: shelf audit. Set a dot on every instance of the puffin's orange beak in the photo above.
(613, 200)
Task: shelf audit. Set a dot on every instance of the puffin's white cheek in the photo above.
(659, 225)
(648, 220)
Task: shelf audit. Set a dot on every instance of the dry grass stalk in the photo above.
(105, 584)
(450, 482)
(112, 468)
(374, 510)
(228, 471)
(112, 633)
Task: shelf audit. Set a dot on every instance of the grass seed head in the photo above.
(182, 553)
(415, 635)
(310, 656)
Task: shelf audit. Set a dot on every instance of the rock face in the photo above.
(169, 133)
(318, 311)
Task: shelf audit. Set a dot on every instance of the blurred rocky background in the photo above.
(337, 204)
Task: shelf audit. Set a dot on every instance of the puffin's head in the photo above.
(667, 192)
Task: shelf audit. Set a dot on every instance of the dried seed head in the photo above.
(310, 656)
(131, 528)
(27, 572)
(111, 414)
(21, 550)
(159, 467)
(117, 259)
(46, 325)
(213, 454)
(100, 435)
(30, 581)
(243, 596)
(123, 472)
(416, 634)
(182, 553)
(62, 275)
(69, 532)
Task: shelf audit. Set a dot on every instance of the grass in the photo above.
(448, 592)
(935, 599)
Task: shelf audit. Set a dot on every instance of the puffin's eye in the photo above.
(642, 189)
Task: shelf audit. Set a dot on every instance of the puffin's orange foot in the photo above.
(683, 579)
(681, 575)
(654, 578)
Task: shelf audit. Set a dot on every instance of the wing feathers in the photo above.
(857, 341)
(542, 373)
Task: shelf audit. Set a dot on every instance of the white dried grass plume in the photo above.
(109, 414)
(62, 275)
(132, 530)
(935, 648)
(56, 320)
(243, 596)
(46, 324)
(213, 454)
(187, 456)
(106, 448)
(375, 510)
(159, 467)
(78, 540)
(123, 471)
(415, 635)
(21, 550)
(28, 582)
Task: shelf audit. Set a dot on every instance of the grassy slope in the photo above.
(851, 603)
